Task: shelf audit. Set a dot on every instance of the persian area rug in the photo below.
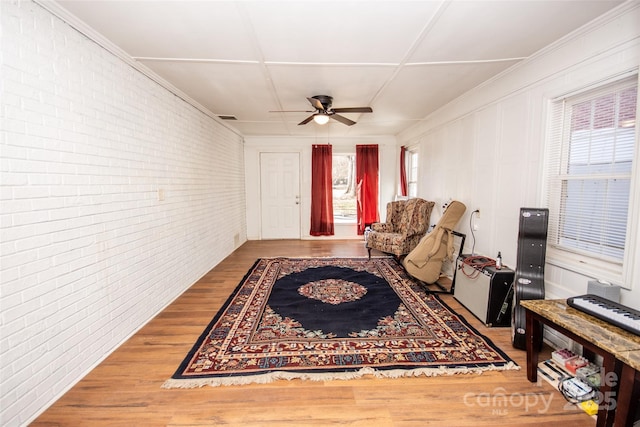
(333, 318)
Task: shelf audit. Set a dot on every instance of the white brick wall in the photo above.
(88, 252)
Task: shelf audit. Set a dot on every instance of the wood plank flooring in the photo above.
(125, 389)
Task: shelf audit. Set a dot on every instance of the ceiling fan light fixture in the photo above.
(321, 118)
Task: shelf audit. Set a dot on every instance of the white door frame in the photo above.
(280, 195)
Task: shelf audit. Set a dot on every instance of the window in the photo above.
(412, 179)
(590, 165)
(344, 187)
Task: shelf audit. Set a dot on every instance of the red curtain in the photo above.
(403, 171)
(321, 191)
(367, 179)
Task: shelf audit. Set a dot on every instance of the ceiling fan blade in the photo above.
(315, 103)
(342, 119)
(307, 120)
(353, 110)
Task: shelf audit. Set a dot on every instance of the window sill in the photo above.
(586, 266)
(344, 221)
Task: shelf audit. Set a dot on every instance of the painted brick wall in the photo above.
(89, 252)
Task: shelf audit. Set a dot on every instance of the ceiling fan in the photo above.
(323, 111)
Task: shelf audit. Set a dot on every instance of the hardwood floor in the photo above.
(125, 389)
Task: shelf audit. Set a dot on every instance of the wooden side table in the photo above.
(620, 351)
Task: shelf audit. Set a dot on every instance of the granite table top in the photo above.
(624, 345)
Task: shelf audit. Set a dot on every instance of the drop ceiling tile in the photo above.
(350, 86)
(338, 31)
(171, 29)
(383, 127)
(485, 30)
(260, 128)
(226, 89)
(417, 91)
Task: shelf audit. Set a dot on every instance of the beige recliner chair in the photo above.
(424, 262)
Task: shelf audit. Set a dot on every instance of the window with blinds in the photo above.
(412, 181)
(590, 165)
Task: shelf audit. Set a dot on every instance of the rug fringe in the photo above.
(329, 376)
(443, 370)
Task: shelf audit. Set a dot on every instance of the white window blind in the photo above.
(590, 164)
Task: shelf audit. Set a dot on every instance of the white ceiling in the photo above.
(405, 59)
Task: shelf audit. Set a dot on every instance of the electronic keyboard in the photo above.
(609, 311)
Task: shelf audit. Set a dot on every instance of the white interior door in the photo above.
(280, 195)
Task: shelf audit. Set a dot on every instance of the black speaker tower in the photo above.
(529, 277)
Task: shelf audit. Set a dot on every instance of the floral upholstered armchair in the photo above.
(407, 222)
